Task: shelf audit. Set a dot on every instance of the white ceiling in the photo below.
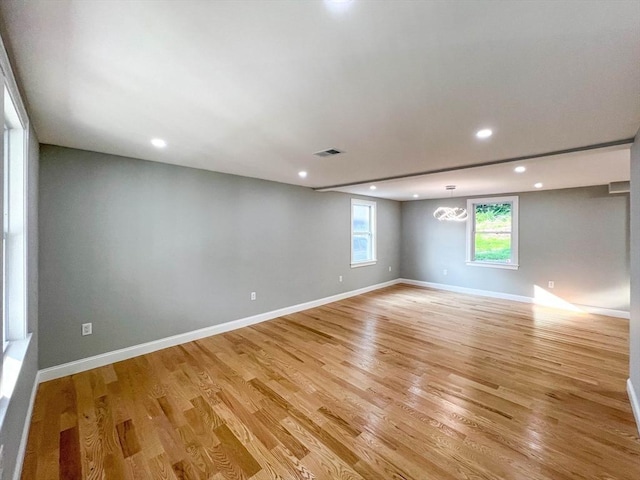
(254, 88)
(596, 167)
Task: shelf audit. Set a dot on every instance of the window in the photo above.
(13, 262)
(492, 232)
(363, 233)
(13, 234)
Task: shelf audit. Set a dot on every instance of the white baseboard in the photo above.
(125, 353)
(605, 311)
(469, 291)
(141, 349)
(635, 403)
(22, 449)
(515, 298)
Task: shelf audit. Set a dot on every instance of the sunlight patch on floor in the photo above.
(548, 299)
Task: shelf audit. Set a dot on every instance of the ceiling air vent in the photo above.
(328, 153)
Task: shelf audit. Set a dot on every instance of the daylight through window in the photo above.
(13, 235)
(363, 232)
(492, 232)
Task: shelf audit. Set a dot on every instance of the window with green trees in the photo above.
(492, 232)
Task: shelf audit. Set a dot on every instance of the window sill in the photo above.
(12, 361)
(363, 264)
(510, 266)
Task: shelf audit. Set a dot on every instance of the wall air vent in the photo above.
(619, 187)
(328, 153)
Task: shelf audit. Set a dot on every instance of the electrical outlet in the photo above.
(551, 284)
(444, 272)
(87, 329)
(389, 267)
(253, 295)
(340, 278)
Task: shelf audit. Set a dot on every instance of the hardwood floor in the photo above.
(403, 383)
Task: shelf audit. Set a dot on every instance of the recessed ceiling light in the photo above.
(338, 5)
(520, 169)
(372, 187)
(415, 195)
(538, 185)
(484, 133)
(302, 174)
(158, 143)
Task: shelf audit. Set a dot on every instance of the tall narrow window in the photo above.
(492, 232)
(13, 234)
(363, 232)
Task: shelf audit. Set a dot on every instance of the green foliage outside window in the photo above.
(493, 232)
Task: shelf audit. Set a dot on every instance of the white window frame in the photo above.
(471, 232)
(14, 258)
(372, 232)
(17, 340)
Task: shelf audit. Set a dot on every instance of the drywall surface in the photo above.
(16, 416)
(146, 250)
(578, 238)
(634, 324)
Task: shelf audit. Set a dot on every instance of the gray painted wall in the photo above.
(146, 250)
(14, 422)
(576, 237)
(634, 324)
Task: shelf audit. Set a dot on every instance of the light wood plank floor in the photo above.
(403, 383)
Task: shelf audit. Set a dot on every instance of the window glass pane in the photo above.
(493, 247)
(362, 247)
(13, 284)
(363, 232)
(493, 217)
(493, 232)
(361, 218)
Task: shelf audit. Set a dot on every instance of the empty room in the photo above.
(320, 239)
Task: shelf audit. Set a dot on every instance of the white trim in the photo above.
(11, 367)
(605, 311)
(136, 350)
(16, 240)
(635, 404)
(22, 448)
(469, 291)
(364, 264)
(506, 266)
(516, 298)
(12, 86)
